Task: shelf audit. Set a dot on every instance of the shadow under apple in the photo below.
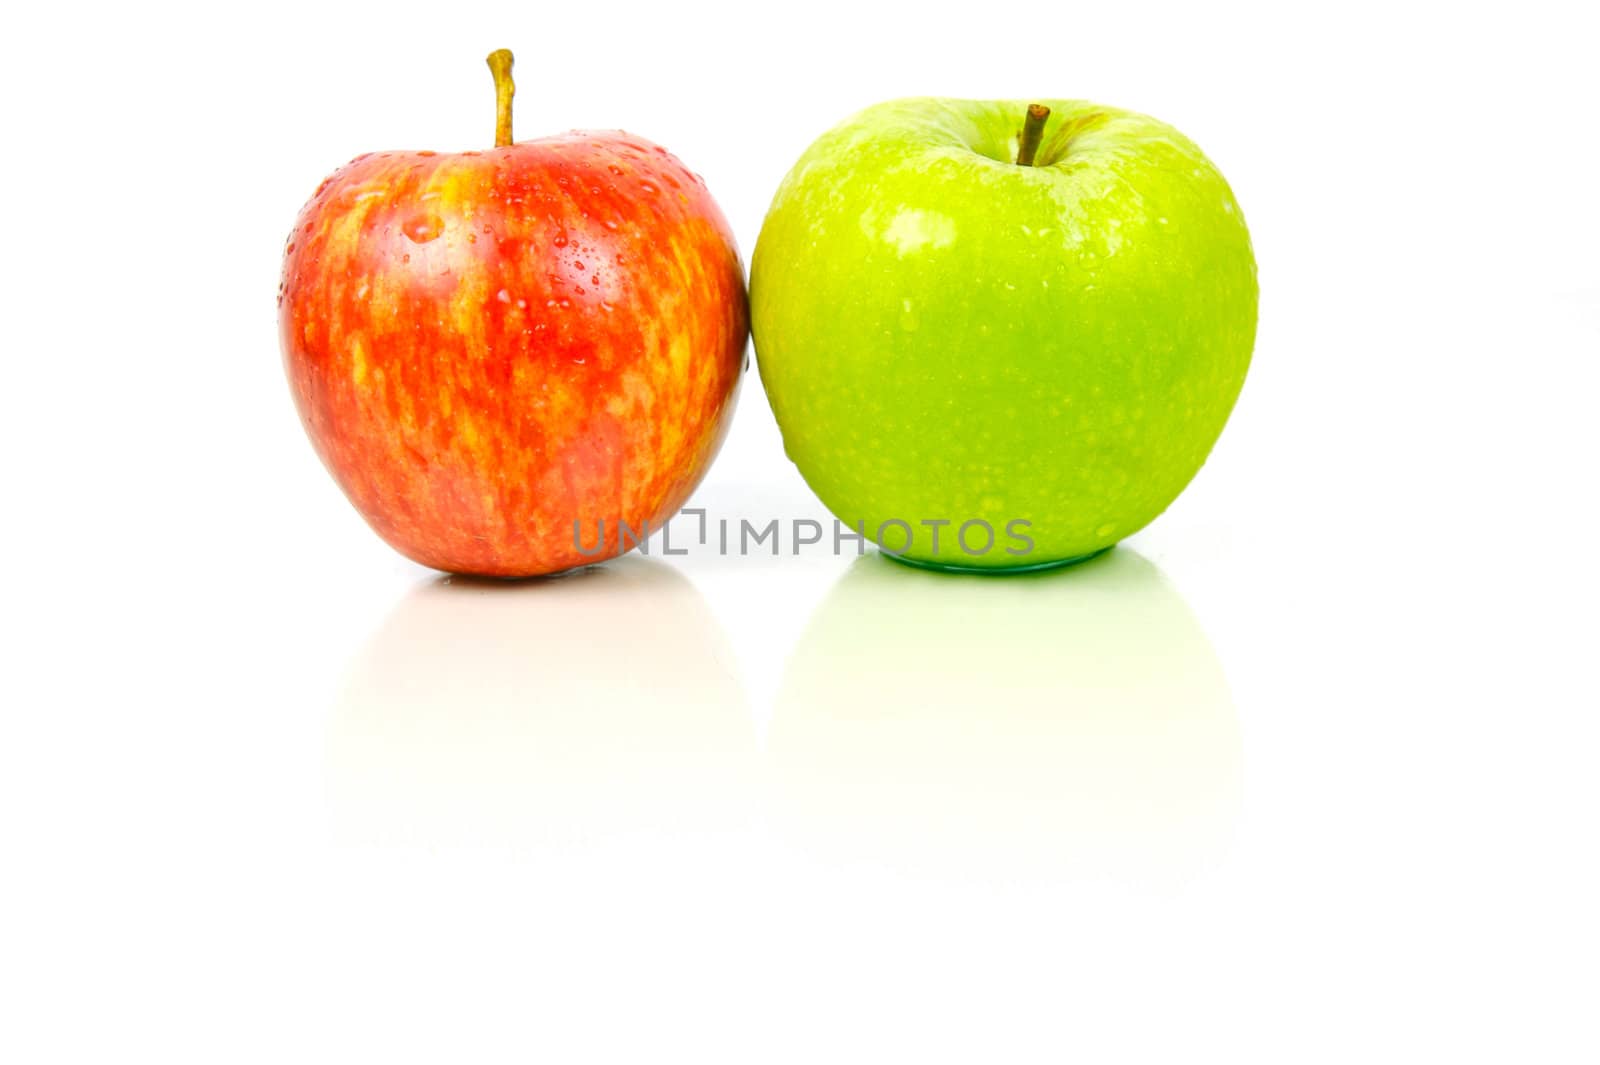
(554, 713)
(1074, 722)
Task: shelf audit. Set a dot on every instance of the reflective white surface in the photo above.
(1303, 772)
(545, 714)
(1074, 722)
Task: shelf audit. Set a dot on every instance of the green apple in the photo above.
(991, 365)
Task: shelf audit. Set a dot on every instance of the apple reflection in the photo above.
(554, 713)
(1073, 722)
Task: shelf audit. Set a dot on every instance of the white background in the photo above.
(1304, 772)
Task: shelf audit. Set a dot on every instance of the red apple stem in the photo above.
(504, 90)
(1032, 134)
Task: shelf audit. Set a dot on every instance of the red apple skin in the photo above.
(487, 347)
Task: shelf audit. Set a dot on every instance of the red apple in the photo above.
(500, 354)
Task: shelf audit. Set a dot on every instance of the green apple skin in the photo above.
(945, 335)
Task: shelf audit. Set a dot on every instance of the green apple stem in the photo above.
(504, 90)
(1032, 134)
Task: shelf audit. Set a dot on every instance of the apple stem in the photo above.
(1032, 134)
(504, 90)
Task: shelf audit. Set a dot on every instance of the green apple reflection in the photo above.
(550, 714)
(1073, 722)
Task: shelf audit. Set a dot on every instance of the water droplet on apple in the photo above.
(503, 296)
(645, 186)
(908, 317)
(561, 240)
(422, 228)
